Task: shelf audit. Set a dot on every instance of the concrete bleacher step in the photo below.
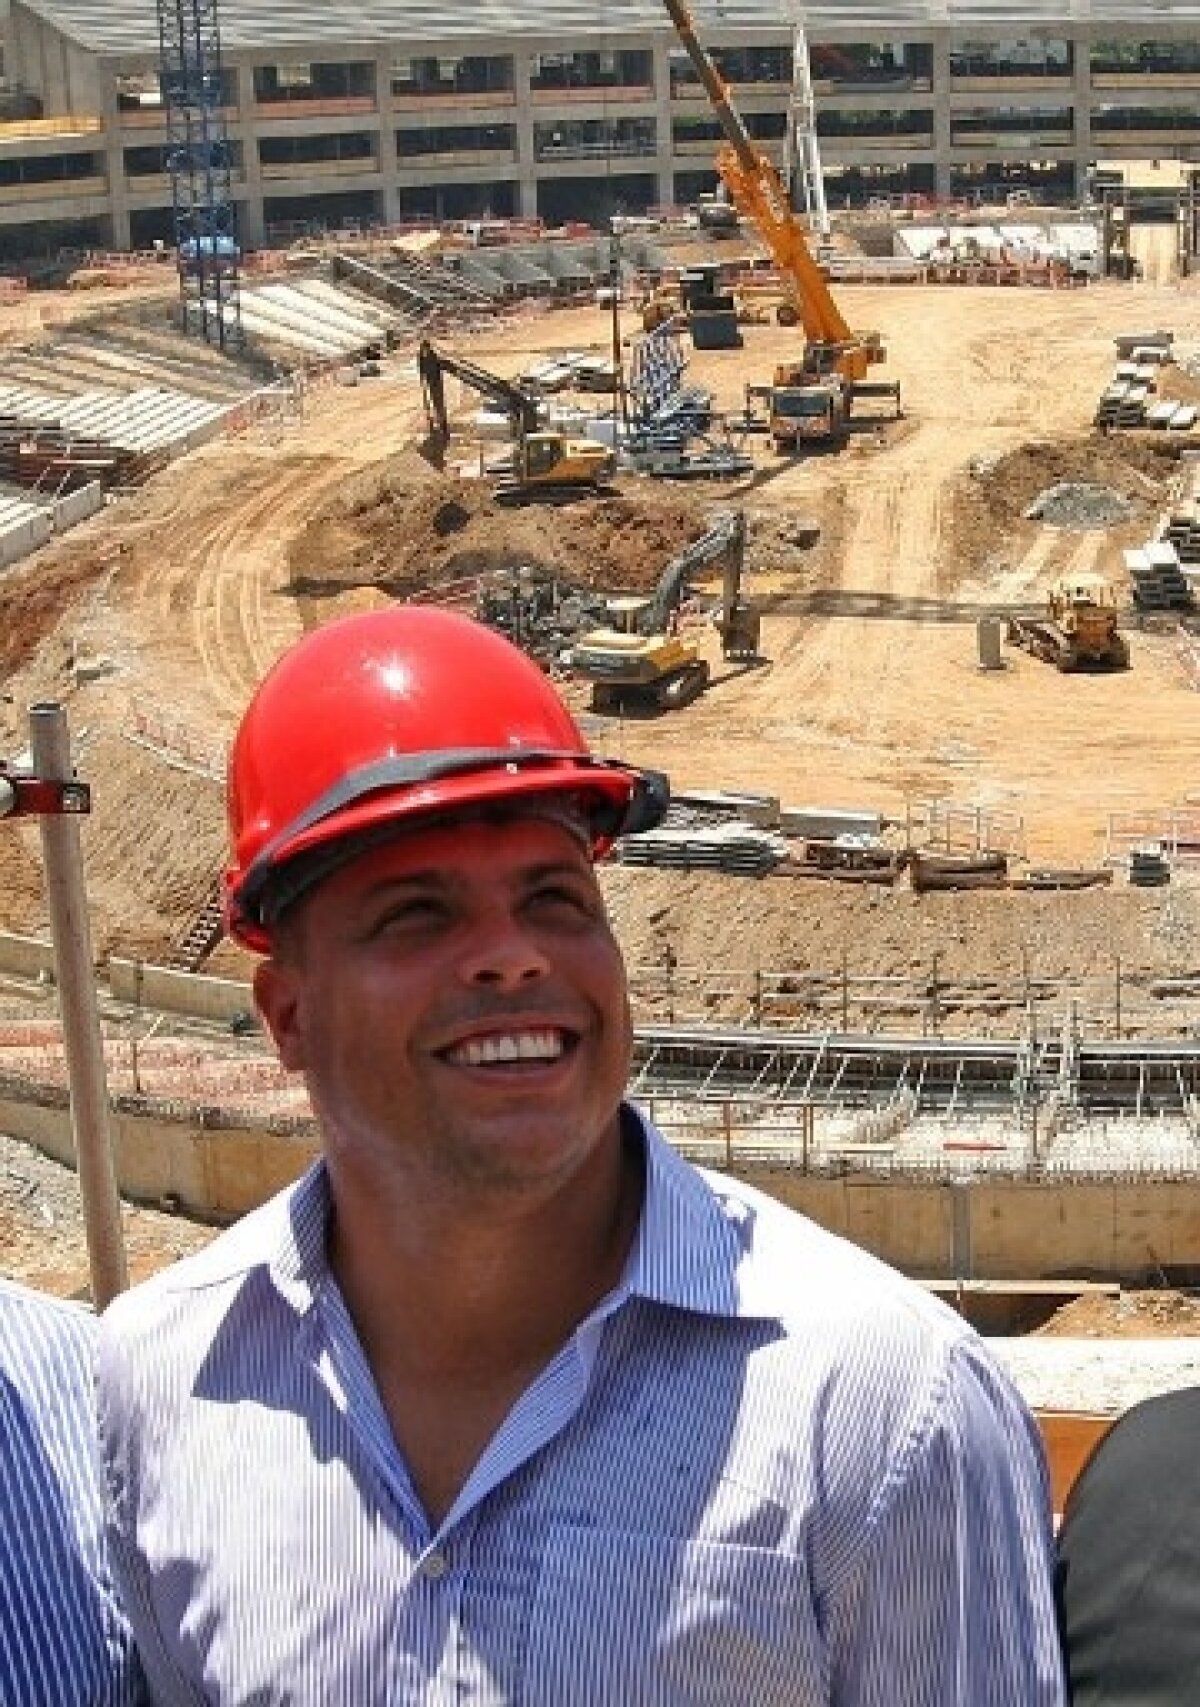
(114, 361)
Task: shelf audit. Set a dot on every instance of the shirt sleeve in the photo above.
(949, 1602)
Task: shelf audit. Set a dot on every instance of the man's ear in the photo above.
(277, 995)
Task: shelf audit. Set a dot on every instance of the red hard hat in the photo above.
(398, 714)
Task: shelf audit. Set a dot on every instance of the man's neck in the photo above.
(441, 1285)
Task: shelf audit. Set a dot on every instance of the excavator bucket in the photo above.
(433, 448)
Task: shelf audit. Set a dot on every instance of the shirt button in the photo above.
(435, 1566)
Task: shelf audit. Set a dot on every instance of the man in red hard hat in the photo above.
(504, 1401)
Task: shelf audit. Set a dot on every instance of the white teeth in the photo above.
(511, 1046)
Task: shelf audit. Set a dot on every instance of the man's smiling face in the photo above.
(457, 1004)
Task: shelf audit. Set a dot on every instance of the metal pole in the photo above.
(620, 399)
(50, 747)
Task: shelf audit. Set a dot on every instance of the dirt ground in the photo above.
(153, 622)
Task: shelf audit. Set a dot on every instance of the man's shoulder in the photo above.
(36, 1328)
(805, 1270)
(199, 1287)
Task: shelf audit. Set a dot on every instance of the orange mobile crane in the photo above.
(811, 398)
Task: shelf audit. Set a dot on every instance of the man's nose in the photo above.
(503, 953)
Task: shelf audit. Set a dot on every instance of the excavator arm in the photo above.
(757, 191)
(433, 364)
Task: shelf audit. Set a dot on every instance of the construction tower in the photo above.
(206, 246)
(801, 155)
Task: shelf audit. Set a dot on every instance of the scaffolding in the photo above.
(198, 159)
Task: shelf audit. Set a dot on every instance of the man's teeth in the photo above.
(511, 1046)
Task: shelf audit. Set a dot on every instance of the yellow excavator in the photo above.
(546, 465)
(640, 661)
(836, 360)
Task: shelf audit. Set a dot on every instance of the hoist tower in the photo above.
(207, 252)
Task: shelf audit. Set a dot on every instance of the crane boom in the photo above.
(757, 191)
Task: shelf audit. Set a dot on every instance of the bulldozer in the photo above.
(1079, 630)
(639, 660)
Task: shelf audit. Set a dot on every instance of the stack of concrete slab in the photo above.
(1182, 530)
(316, 318)
(1153, 346)
(1160, 581)
(150, 420)
(736, 847)
(1123, 403)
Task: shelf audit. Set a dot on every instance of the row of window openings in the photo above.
(602, 138)
(863, 65)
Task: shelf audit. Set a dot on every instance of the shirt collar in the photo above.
(694, 1249)
(695, 1244)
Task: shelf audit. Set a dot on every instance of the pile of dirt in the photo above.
(405, 529)
(1156, 1314)
(993, 502)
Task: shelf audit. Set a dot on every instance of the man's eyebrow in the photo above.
(431, 876)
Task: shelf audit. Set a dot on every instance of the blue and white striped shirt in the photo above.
(765, 1471)
(63, 1642)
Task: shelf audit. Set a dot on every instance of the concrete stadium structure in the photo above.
(560, 111)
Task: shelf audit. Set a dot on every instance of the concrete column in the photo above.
(1081, 100)
(114, 166)
(252, 230)
(389, 161)
(665, 144)
(527, 199)
(941, 112)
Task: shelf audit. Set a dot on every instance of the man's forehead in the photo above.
(484, 844)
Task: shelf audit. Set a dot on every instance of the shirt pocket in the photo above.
(622, 1620)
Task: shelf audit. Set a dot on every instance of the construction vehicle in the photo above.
(640, 660)
(546, 465)
(798, 413)
(832, 351)
(1079, 628)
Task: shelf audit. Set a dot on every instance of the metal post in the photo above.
(50, 747)
(935, 1017)
(1117, 991)
(620, 397)
(845, 991)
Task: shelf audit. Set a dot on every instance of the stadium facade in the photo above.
(343, 115)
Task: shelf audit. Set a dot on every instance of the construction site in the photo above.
(890, 561)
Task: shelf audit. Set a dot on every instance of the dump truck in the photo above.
(639, 660)
(1079, 630)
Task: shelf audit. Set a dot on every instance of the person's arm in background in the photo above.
(949, 1603)
(64, 1641)
(1129, 1561)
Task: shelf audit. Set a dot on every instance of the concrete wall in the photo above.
(1005, 1229)
(211, 1167)
(173, 992)
(27, 956)
(22, 537)
(77, 506)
